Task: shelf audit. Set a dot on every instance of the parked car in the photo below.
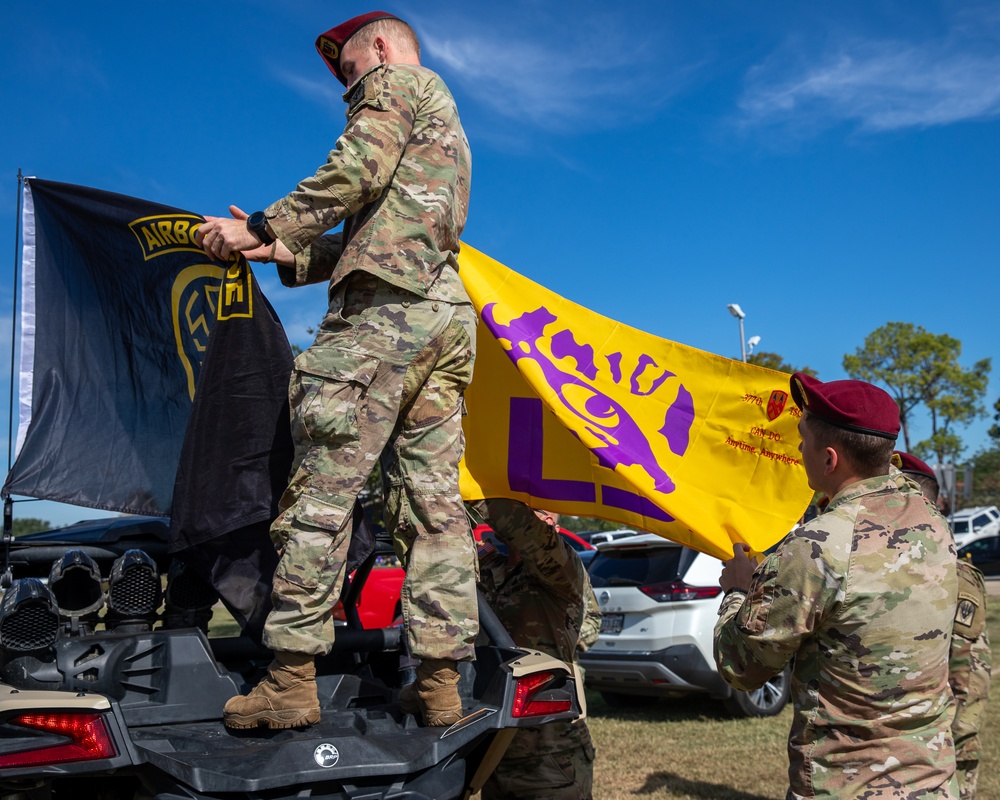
(659, 602)
(983, 553)
(611, 536)
(969, 524)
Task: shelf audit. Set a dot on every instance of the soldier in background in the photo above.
(541, 592)
(970, 661)
(863, 599)
(385, 375)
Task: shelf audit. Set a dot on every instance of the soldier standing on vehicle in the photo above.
(863, 599)
(385, 376)
(541, 592)
(970, 660)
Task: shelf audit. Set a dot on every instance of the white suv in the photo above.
(659, 602)
(970, 524)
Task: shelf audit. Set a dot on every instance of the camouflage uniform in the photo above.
(863, 598)
(970, 664)
(970, 659)
(386, 374)
(547, 603)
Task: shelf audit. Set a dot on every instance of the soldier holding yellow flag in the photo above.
(863, 599)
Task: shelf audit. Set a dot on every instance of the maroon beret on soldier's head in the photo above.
(910, 463)
(331, 44)
(853, 405)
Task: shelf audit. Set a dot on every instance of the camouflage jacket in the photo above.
(863, 599)
(546, 602)
(970, 659)
(970, 662)
(398, 179)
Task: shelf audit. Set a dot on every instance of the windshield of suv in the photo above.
(637, 566)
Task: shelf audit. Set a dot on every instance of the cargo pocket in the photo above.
(311, 559)
(327, 386)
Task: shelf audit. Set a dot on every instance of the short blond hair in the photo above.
(394, 30)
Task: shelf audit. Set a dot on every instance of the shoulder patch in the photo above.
(970, 614)
(368, 91)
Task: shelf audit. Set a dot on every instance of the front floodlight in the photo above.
(29, 620)
(134, 591)
(736, 311)
(75, 581)
(189, 598)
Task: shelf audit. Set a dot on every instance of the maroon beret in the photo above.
(331, 44)
(910, 463)
(853, 405)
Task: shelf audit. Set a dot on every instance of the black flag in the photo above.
(117, 305)
(237, 453)
(128, 404)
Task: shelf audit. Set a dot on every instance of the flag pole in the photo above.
(8, 504)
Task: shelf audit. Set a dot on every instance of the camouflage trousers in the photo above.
(384, 379)
(553, 774)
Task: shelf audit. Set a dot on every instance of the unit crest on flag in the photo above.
(776, 404)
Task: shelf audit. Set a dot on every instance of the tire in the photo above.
(767, 701)
(618, 700)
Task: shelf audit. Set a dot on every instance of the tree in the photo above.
(30, 525)
(578, 524)
(921, 369)
(763, 358)
(986, 478)
(994, 430)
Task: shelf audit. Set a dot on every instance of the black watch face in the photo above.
(256, 220)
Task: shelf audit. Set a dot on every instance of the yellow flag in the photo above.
(578, 414)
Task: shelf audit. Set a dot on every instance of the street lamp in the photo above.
(737, 312)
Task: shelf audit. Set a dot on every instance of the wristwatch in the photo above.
(257, 225)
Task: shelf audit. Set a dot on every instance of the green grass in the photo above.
(689, 749)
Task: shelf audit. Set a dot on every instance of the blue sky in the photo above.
(829, 167)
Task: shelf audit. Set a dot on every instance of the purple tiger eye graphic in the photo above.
(624, 442)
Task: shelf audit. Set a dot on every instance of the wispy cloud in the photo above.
(324, 91)
(881, 85)
(546, 74)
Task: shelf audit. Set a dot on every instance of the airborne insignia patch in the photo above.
(966, 615)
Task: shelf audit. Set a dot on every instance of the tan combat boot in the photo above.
(435, 694)
(285, 698)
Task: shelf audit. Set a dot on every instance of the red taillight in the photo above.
(678, 590)
(338, 612)
(89, 736)
(525, 704)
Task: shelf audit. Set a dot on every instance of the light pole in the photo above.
(737, 312)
